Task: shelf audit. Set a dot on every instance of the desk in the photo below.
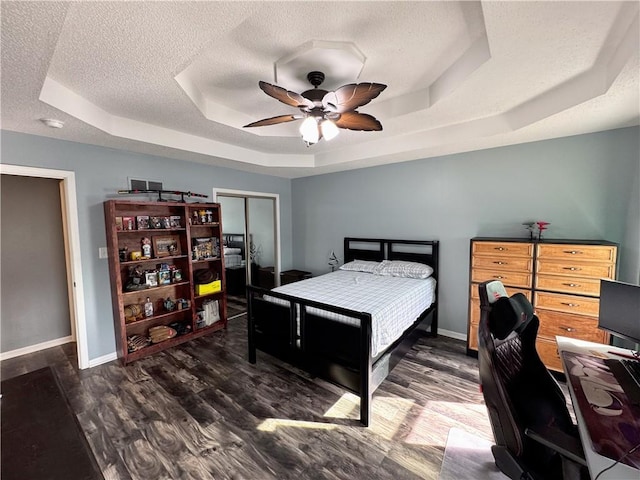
(596, 462)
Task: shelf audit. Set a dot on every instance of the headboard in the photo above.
(421, 251)
(234, 240)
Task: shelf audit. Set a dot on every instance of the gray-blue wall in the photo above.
(100, 172)
(586, 186)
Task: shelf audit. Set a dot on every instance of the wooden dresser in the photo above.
(561, 278)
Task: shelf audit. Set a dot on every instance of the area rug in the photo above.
(468, 457)
(41, 438)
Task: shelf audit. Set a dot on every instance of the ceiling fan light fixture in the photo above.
(329, 129)
(309, 130)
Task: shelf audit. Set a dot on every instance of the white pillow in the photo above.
(400, 268)
(361, 266)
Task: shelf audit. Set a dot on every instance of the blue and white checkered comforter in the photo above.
(393, 302)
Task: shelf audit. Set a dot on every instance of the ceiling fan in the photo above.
(325, 112)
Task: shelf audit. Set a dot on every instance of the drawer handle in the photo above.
(501, 263)
(499, 277)
(570, 304)
(571, 284)
(573, 252)
(499, 248)
(567, 329)
(573, 269)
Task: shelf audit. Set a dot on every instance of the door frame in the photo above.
(71, 233)
(246, 194)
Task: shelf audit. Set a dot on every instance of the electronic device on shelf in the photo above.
(619, 315)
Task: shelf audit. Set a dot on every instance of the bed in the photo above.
(233, 249)
(355, 338)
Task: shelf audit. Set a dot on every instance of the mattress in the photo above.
(394, 303)
(231, 260)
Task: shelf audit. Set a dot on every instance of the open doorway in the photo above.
(251, 237)
(69, 251)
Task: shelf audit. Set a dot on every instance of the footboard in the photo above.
(325, 347)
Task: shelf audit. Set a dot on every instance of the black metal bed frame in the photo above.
(330, 349)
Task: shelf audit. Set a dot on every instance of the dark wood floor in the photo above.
(200, 411)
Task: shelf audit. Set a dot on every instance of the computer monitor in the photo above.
(620, 309)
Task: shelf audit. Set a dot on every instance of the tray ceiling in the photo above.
(179, 79)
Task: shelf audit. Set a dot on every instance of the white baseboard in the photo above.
(450, 334)
(110, 357)
(36, 348)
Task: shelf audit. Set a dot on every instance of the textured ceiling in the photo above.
(179, 79)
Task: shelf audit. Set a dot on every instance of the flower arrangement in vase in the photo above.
(542, 226)
(539, 225)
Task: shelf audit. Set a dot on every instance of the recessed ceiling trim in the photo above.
(62, 98)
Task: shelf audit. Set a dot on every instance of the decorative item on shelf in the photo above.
(333, 261)
(155, 222)
(160, 192)
(174, 221)
(128, 223)
(166, 223)
(161, 333)
(136, 280)
(145, 245)
(137, 342)
(542, 226)
(142, 221)
(180, 328)
(133, 312)
(164, 277)
(148, 308)
(169, 305)
(176, 275)
(205, 248)
(151, 278)
(183, 304)
(166, 246)
(118, 223)
(202, 216)
(531, 226)
(211, 312)
(136, 255)
(123, 254)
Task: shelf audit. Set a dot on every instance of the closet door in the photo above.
(261, 222)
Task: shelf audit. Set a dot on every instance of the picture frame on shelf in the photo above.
(142, 221)
(166, 246)
(164, 277)
(151, 279)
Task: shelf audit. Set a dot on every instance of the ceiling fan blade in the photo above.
(287, 97)
(358, 121)
(351, 96)
(274, 120)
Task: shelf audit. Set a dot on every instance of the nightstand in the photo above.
(290, 276)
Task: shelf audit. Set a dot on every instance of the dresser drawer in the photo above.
(567, 303)
(508, 278)
(582, 286)
(575, 268)
(500, 262)
(594, 253)
(570, 325)
(510, 291)
(502, 248)
(472, 339)
(474, 310)
(548, 352)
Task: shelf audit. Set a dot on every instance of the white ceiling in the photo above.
(179, 79)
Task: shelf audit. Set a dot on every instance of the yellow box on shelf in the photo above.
(208, 288)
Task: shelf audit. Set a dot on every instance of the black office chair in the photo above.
(535, 436)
